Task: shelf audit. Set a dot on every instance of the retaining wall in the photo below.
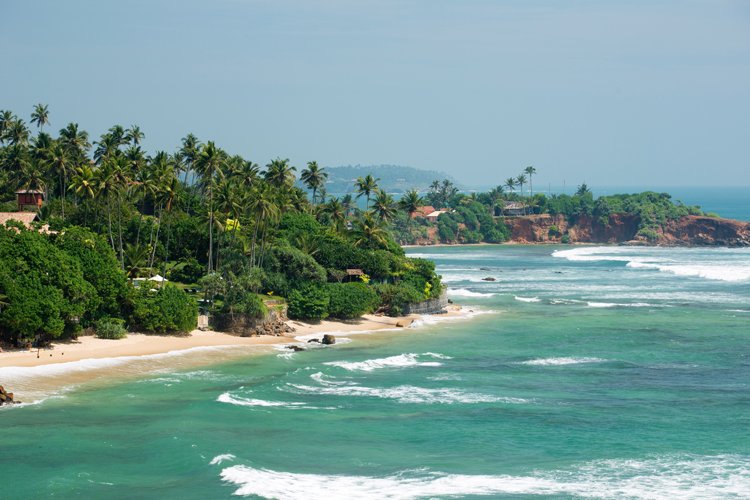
(432, 306)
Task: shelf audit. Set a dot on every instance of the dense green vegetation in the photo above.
(214, 223)
(476, 217)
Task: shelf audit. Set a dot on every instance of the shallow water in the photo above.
(587, 372)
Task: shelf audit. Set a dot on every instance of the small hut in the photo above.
(29, 197)
(354, 272)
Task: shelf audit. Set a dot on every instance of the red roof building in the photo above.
(29, 197)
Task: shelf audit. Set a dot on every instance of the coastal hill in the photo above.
(624, 227)
(393, 178)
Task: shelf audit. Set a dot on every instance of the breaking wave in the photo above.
(462, 292)
(400, 361)
(562, 361)
(684, 477)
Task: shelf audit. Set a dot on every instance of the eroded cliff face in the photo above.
(623, 228)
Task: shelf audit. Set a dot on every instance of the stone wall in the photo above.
(432, 306)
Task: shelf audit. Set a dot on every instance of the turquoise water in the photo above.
(583, 372)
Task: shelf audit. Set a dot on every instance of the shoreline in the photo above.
(90, 358)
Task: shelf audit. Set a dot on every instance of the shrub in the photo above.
(252, 305)
(445, 233)
(191, 272)
(468, 236)
(604, 220)
(169, 309)
(649, 233)
(308, 301)
(565, 239)
(111, 328)
(713, 215)
(295, 264)
(351, 300)
(553, 230)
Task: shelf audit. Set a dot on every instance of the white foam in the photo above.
(400, 361)
(686, 478)
(228, 398)
(611, 304)
(713, 264)
(462, 292)
(220, 458)
(561, 361)
(404, 394)
(527, 299)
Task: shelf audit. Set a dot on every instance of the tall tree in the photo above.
(170, 192)
(133, 135)
(530, 171)
(40, 116)
(365, 187)
(83, 184)
(209, 164)
(279, 173)
(17, 133)
(510, 183)
(313, 176)
(60, 162)
(368, 230)
(105, 185)
(6, 118)
(410, 202)
(384, 206)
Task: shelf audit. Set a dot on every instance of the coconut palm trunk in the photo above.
(119, 226)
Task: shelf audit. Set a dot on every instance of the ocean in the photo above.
(581, 372)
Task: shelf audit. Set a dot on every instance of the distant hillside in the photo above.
(393, 178)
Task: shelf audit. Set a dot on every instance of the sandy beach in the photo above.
(138, 344)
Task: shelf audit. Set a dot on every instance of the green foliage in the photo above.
(191, 272)
(565, 239)
(713, 215)
(168, 309)
(468, 236)
(309, 301)
(295, 264)
(351, 300)
(45, 286)
(604, 220)
(650, 234)
(111, 328)
(553, 230)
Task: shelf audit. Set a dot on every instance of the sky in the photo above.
(618, 92)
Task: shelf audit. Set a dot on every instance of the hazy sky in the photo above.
(611, 92)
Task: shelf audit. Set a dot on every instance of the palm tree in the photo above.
(247, 174)
(83, 184)
(136, 261)
(191, 148)
(495, 195)
(105, 148)
(31, 176)
(366, 186)
(510, 183)
(209, 164)
(369, 230)
(40, 116)
(306, 243)
(279, 173)
(335, 209)
(520, 181)
(410, 202)
(384, 206)
(170, 192)
(15, 159)
(6, 118)
(105, 183)
(346, 202)
(17, 133)
(313, 176)
(60, 162)
(118, 134)
(531, 171)
(262, 205)
(133, 135)
(74, 139)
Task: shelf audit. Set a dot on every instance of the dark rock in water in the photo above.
(296, 348)
(485, 269)
(450, 301)
(488, 279)
(328, 339)
(313, 340)
(6, 398)
(399, 324)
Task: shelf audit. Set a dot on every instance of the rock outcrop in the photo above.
(6, 398)
(623, 228)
